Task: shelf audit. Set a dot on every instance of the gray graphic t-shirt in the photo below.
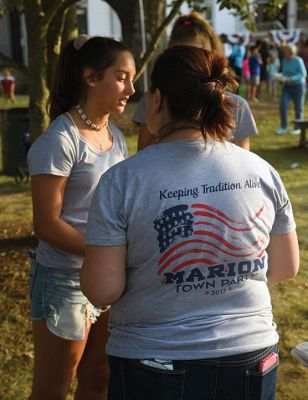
(197, 221)
(245, 124)
(62, 151)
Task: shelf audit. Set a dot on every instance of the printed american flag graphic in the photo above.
(202, 234)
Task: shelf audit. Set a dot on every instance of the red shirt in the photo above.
(7, 84)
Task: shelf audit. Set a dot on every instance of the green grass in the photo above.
(21, 101)
(290, 300)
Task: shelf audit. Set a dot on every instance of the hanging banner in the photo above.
(235, 38)
(290, 36)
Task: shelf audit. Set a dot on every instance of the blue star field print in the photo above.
(174, 223)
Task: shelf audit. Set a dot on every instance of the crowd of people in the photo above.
(263, 66)
(152, 272)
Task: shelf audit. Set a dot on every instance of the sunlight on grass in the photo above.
(21, 102)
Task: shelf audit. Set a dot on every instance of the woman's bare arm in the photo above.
(103, 274)
(47, 199)
(283, 257)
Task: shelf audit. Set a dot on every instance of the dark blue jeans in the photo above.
(226, 378)
(296, 93)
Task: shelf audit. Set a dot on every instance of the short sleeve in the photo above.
(107, 224)
(53, 154)
(140, 114)
(284, 219)
(245, 124)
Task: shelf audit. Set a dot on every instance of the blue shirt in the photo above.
(254, 65)
(294, 68)
(238, 53)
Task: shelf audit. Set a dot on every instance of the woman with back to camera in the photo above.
(93, 80)
(193, 30)
(184, 244)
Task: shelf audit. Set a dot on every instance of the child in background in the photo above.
(273, 66)
(255, 63)
(8, 86)
(246, 73)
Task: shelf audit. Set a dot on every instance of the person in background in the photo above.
(303, 53)
(246, 73)
(7, 81)
(264, 53)
(193, 30)
(255, 63)
(294, 88)
(280, 48)
(272, 70)
(238, 54)
(183, 240)
(226, 46)
(93, 79)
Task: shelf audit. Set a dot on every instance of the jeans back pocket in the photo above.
(261, 379)
(136, 381)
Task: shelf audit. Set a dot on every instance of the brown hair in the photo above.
(193, 27)
(194, 82)
(97, 53)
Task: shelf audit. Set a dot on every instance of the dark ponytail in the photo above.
(194, 83)
(97, 53)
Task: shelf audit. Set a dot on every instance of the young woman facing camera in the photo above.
(93, 80)
(183, 245)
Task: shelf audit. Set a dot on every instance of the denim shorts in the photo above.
(235, 377)
(57, 298)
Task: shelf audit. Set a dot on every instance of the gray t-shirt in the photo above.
(62, 151)
(196, 222)
(245, 124)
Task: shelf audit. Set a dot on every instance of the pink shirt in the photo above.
(246, 70)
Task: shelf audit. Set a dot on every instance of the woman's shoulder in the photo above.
(115, 130)
(240, 102)
(59, 132)
(117, 134)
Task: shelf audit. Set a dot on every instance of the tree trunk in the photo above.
(62, 28)
(70, 30)
(155, 14)
(129, 17)
(39, 14)
(37, 50)
(128, 12)
(156, 22)
(54, 38)
(157, 37)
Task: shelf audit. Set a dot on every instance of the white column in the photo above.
(214, 13)
(291, 14)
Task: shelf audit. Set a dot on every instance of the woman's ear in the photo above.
(157, 101)
(89, 76)
(154, 107)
